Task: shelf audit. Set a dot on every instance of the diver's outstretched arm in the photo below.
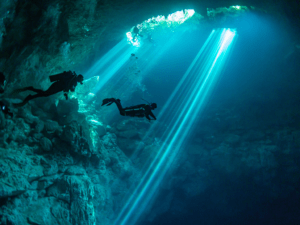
(151, 114)
(147, 116)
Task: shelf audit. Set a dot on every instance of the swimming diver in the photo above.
(143, 110)
(66, 81)
(2, 82)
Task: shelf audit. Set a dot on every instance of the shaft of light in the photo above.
(110, 63)
(147, 57)
(104, 60)
(185, 103)
(153, 127)
(119, 56)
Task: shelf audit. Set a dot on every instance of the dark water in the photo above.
(260, 85)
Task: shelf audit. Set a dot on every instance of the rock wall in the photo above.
(58, 170)
(52, 173)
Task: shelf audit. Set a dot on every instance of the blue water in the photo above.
(257, 92)
(259, 86)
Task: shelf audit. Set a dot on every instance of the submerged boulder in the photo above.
(46, 144)
(51, 126)
(75, 170)
(81, 191)
(65, 107)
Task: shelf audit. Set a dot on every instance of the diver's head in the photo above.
(153, 106)
(80, 78)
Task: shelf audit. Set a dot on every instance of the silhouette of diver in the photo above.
(143, 110)
(2, 82)
(66, 81)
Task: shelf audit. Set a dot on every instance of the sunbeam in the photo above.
(114, 67)
(180, 112)
(119, 55)
(116, 61)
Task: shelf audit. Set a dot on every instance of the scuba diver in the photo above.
(143, 110)
(66, 81)
(2, 82)
(5, 109)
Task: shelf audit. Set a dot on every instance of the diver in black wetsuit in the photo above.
(143, 110)
(2, 82)
(66, 81)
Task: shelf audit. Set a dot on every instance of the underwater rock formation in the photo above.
(43, 175)
(52, 173)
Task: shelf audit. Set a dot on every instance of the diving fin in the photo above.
(107, 101)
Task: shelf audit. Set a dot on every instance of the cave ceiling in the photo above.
(91, 27)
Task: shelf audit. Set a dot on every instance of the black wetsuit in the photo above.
(65, 81)
(143, 110)
(2, 80)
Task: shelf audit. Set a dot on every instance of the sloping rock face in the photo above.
(54, 171)
(58, 172)
(50, 175)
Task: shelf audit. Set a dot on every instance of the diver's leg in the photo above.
(34, 89)
(24, 89)
(27, 99)
(109, 101)
(121, 110)
(53, 89)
